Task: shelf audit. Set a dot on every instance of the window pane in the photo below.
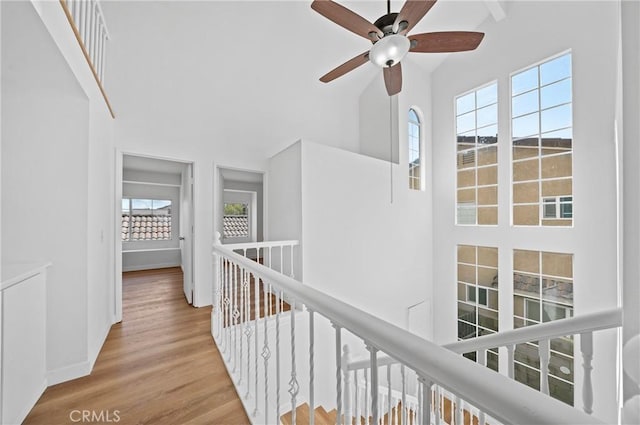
(527, 285)
(477, 137)
(555, 94)
(140, 206)
(465, 122)
(487, 96)
(525, 126)
(561, 390)
(541, 130)
(465, 103)
(555, 118)
(524, 103)
(524, 81)
(555, 70)
(413, 117)
(487, 115)
(125, 206)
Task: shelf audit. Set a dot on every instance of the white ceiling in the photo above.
(215, 72)
(241, 176)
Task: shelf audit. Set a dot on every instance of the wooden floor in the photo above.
(159, 366)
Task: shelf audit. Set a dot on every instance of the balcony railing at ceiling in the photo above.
(88, 24)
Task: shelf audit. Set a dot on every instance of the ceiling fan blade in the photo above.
(445, 42)
(345, 18)
(393, 79)
(412, 12)
(349, 65)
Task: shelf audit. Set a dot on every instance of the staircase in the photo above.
(321, 416)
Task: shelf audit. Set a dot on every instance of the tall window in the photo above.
(146, 219)
(477, 157)
(478, 296)
(542, 292)
(541, 130)
(415, 151)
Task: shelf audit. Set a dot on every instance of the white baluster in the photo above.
(346, 359)
(366, 401)
(249, 332)
(457, 407)
(543, 351)
(586, 348)
(439, 408)
(388, 394)
(420, 400)
(85, 22)
(312, 333)
(266, 353)
(76, 12)
(482, 357)
(357, 396)
(270, 306)
(92, 34)
(293, 382)
(292, 275)
(404, 395)
(104, 57)
(278, 312)
(374, 382)
(510, 361)
(99, 55)
(229, 308)
(281, 259)
(482, 420)
(241, 325)
(338, 374)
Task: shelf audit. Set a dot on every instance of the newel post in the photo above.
(346, 359)
(216, 305)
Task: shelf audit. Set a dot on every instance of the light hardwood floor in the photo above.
(159, 366)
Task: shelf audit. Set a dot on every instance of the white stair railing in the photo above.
(583, 326)
(90, 28)
(435, 368)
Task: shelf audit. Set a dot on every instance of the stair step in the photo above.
(321, 416)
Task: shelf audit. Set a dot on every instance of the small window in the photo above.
(236, 220)
(415, 151)
(557, 207)
(146, 219)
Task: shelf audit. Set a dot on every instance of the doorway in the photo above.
(241, 205)
(154, 219)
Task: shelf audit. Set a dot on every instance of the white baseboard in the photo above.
(28, 406)
(68, 373)
(94, 356)
(149, 266)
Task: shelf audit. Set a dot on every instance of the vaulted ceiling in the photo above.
(244, 74)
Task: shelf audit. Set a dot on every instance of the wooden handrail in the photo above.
(67, 12)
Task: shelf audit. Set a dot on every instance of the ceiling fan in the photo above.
(390, 40)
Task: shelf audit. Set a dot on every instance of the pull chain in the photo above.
(391, 147)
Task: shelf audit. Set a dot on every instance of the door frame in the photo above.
(117, 284)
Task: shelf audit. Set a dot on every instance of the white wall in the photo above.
(531, 32)
(45, 176)
(285, 194)
(53, 87)
(378, 121)
(358, 246)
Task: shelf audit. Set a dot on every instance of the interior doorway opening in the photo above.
(155, 219)
(241, 206)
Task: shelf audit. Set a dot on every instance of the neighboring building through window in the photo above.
(236, 220)
(542, 139)
(478, 296)
(146, 219)
(477, 156)
(542, 292)
(415, 151)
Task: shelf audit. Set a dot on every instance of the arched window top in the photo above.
(413, 116)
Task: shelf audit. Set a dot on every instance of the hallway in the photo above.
(159, 366)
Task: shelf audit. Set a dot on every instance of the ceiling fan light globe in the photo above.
(389, 50)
